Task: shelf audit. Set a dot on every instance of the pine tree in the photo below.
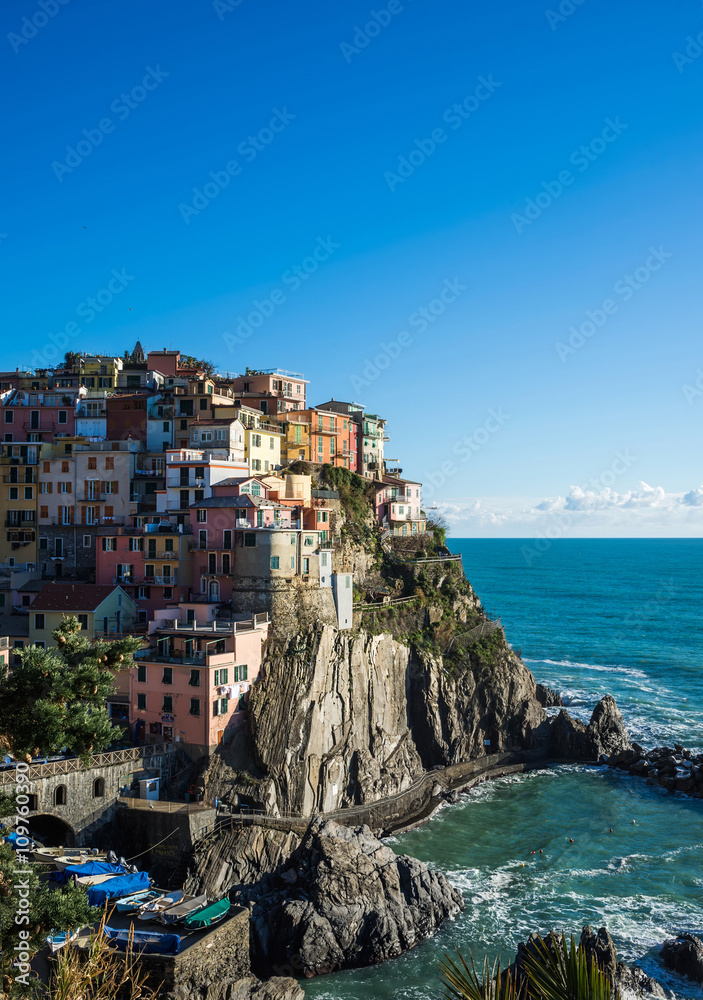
(55, 699)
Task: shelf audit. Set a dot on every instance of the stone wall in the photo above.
(207, 969)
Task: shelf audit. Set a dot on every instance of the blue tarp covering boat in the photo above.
(88, 868)
(145, 941)
(116, 888)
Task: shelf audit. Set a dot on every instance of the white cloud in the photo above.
(647, 512)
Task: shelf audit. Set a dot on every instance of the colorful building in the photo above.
(271, 390)
(102, 611)
(193, 682)
(399, 505)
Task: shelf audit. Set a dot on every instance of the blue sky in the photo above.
(319, 110)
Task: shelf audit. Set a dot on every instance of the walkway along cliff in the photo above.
(422, 681)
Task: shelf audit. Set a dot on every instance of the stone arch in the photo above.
(99, 788)
(60, 795)
(51, 830)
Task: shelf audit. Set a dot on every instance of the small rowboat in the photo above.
(183, 909)
(59, 939)
(63, 860)
(209, 916)
(88, 880)
(144, 942)
(151, 910)
(130, 904)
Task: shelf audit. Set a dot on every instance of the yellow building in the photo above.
(295, 444)
(18, 503)
(262, 439)
(99, 371)
(103, 611)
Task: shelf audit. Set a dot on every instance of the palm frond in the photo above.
(463, 982)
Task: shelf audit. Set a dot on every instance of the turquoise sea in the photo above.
(589, 617)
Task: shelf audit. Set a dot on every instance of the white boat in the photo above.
(88, 880)
(80, 858)
(151, 910)
(130, 904)
(183, 909)
(59, 939)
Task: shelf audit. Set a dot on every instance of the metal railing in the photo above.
(75, 764)
(15, 481)
(162, 554)
(175, 482)
(214, 626)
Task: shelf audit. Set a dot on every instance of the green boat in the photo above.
(212, 914)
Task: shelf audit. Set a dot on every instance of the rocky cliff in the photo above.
(339, 719)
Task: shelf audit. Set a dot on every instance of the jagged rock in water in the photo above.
(684, 955)
(624, 979)
(237, 857)
(353, 902)
(605, 733)
(547, 697)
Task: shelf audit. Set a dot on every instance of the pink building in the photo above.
(218, 525)
(39, 415)
(192, 685)
(153, 564)
(398, 505)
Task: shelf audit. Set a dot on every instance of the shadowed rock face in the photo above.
(684, 955)
(605, 733)
(341, 900)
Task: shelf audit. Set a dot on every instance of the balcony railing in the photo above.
(163, 581)
(175, 482)
(26, 523)
(103, 522)
(212, 627)
(46, 426)
(161, 555)
(14, 481)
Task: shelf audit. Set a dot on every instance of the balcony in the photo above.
(15, 481)
(211, 627)
(45, 427)
(103, 522)
(161, 581)
(165, 555)
(175, 482)
(83, 414)
(26, 524)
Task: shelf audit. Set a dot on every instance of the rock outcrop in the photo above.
(674, 768)
(547, 697)
(684, 955)
(605, 734)
(342, 899)
(278, 988)
(625, 980)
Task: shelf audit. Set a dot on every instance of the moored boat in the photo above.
(144, 942)
(59, 939)
(151, 910)
(130, 904)
(185, 908)
(64, 859)
(209, 916)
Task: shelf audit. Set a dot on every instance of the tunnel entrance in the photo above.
(51, 831)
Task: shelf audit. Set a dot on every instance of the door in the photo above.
(151, 548)
(202, 538)
(220, 735)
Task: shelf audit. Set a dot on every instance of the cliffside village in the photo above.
(153, 498)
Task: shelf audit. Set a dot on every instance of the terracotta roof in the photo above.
(72, 597)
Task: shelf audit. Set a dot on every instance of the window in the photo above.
(168, 704)
(44, 544)
(203, 404)
(306, 567)
(292, 539)
(168, 593)
(83, 622)
(109, 487)
(14, 493)
(63, 417)
(60, 795)
(136, 544)
(275, 562)
(292, 562)
(86, 541)
(221, 434)
(167, 676)
(40, 645)
(194, 678)
(109, 544)
(241, 672)
(195, 706)
(227, 539)
(220, 706)
(109, 462)
(92, 462)
(98, 788)
(9, 417)
(256, 465)
(65, 487)
(141, 703)
(198, 495)
(309, 540)
(249, 540)
(272, 443)
(226, 567)
(166, 426)
(39, 622)
(64, 468)
(168, 545)
(201, 516)
(141, 673)
(221, 676)
(205, 435)
(256, 440)
(149, 571)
